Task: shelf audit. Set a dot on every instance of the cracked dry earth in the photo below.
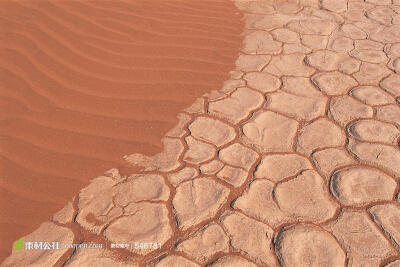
(294, 162)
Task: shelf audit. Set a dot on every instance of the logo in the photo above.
(18, 245)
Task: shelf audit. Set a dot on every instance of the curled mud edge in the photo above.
(294, 162)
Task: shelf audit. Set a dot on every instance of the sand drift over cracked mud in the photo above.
(295, 161)
(84, 83)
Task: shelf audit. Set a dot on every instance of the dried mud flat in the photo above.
(294, 162)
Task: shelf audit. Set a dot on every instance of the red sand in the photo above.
(84, 83)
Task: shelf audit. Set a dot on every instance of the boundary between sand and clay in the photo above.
(295, 161)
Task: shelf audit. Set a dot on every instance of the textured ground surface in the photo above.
(294, 162)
